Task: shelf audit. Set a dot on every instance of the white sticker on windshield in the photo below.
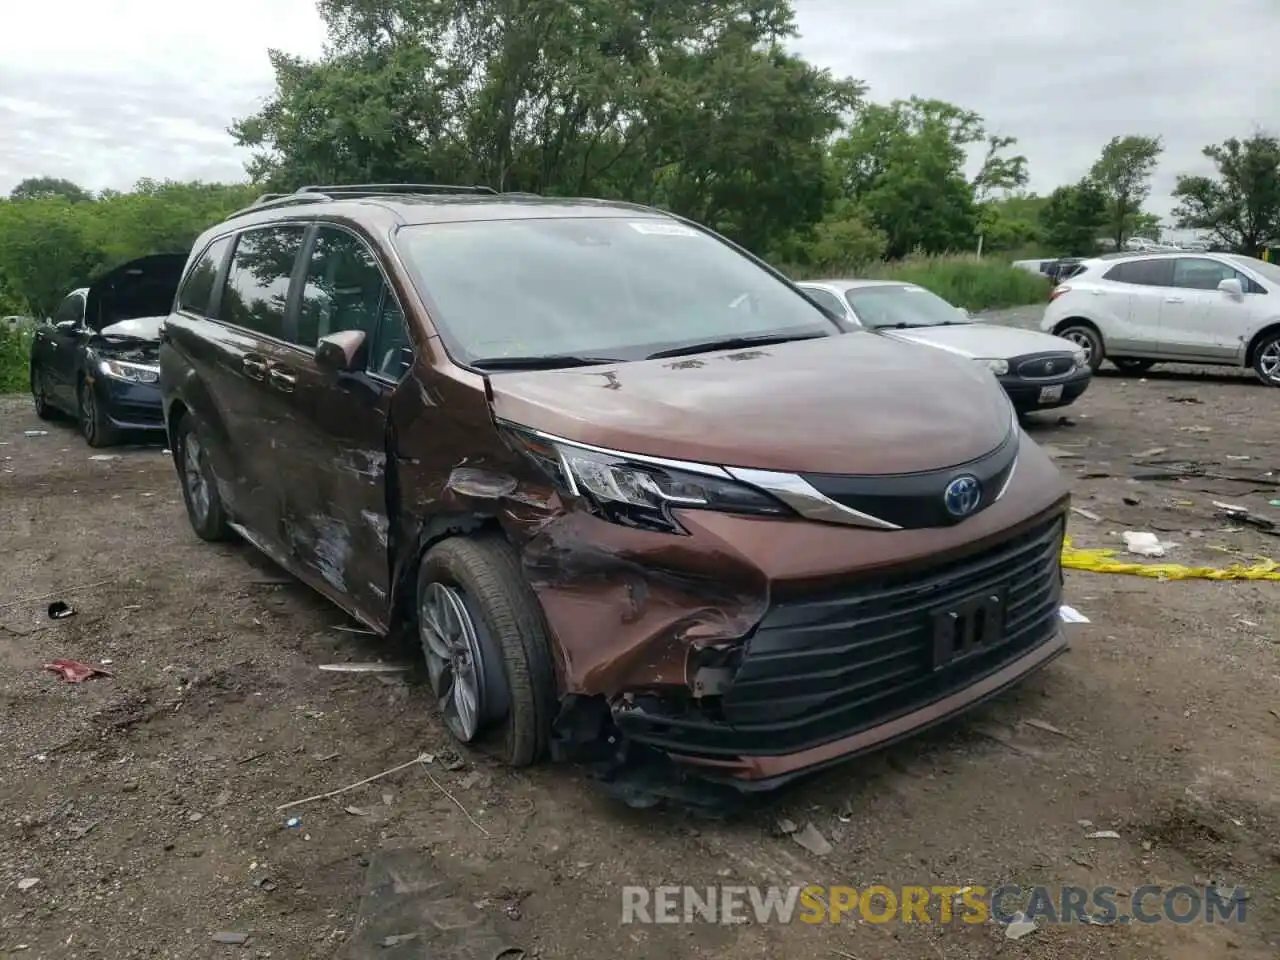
(662, 228)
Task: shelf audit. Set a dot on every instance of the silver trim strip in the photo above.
(801, 497)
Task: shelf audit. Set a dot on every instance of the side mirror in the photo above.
(1231, 287)
(341, 352)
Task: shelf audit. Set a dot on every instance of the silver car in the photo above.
(1037, 370)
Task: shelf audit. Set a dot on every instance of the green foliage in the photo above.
(41, 188)
(1123, 174)
(1241, 208)
(15, 349)
(967, 281)
(1072, 217)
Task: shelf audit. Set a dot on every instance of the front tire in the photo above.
(1266, 359)
(205, 509)
(1085, 336)
(486, 647)
(94, 424)
(40, 395)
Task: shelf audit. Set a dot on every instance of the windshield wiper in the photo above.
(734, 343)
(550, 361)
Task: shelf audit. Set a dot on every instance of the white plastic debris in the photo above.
(1071, 615)
(1019, 927)
(1102, 835)
(1144, 544)
(28, 883)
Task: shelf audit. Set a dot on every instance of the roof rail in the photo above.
(269, 200)
(372, 189)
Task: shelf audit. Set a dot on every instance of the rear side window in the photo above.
(343, 289)
(1146, 273)
(257, 289)
(196, 294)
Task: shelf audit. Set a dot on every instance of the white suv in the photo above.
(1140, 309)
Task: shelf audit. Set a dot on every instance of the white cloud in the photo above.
(136, 88)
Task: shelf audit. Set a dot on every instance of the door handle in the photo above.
(254, 368)
(282, 380)
(1172, 299)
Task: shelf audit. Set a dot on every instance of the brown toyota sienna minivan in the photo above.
(639, 499)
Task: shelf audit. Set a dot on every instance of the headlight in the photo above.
(1079, 357)
(636, 493)
(124, 370)
(998, 367)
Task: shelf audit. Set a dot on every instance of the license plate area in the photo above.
(1051, 394)
(968, 627)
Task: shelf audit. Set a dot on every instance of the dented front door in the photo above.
(336, 501)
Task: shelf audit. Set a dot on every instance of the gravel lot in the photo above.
(144, 802)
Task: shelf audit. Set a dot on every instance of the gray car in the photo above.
(1037, 370)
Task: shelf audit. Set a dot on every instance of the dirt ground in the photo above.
(144, 802)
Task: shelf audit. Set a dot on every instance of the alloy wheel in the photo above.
(1269, 362)
(455, 660)
(193, 475)
(1081, 340)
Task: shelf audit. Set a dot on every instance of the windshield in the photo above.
(1264, 269)
(901, 306)
(608, 288)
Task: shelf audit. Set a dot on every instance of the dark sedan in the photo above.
(97, 358)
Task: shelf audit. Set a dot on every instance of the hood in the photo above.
(145, 287)
(853, 403)
(137, 328)
(987, 340)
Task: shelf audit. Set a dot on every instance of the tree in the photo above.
(1072, 217)
(1123, 174)
(1241, 208)
(40, 188)
(45, 251)
(694, 106)
(999, 172)
(903, 165)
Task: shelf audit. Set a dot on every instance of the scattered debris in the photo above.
(28, 883)
(787, 826)
(1102, 560)
(1047, 727)
(49, 596)
(1239, 514)
(1102, 835)
(466, 813)
(363, 631)
(812, 840)
(231, 939)
(293, 823)
(423, 758)
(397, 939)
(105, 456)
(79, 831)
(372, 667)
(1185, 400)
(60, 610)
(35, 433)
(73, 671)
(1132, 501)
(356, 811)
(1088, 515)
(1144, 544)
(1019, 927)
(1239, 457)
(1153, 452)
(266, 884)
(1071, 615)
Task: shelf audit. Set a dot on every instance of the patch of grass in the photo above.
(966, 281)
(15, 352)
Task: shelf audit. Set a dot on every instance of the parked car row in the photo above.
(639, 497)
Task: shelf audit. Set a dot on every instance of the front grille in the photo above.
(1045, 367)
(819, 669)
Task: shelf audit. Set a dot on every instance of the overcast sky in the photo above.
(103, 93)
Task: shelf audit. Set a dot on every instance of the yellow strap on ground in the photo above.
(1099, 560)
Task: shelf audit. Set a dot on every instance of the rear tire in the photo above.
(1132, 364)
(1086, 336)
(94, 425)
(205, 509)
(40, 397)
(501, 648)
(1266, 359)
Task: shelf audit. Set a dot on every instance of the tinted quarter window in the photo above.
(343, 289)
(71, 308)
(1147, 273)
(826, 299)
(258, 281)
(197, 290)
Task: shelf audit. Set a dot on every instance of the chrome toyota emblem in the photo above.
(962, 496)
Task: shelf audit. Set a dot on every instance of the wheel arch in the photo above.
(1252, 350)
